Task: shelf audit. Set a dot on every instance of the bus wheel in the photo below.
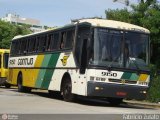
(19, 83)
(7, 85)
(115, 101)
(67, 91)
(21, 88)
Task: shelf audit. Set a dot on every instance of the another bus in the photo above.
(90, 57)
(4, 55)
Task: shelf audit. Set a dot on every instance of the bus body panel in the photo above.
(45, 59)
(104, 83)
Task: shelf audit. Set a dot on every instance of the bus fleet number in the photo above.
(109, 74)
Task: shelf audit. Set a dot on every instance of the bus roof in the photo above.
(114, 24)
(97, 23)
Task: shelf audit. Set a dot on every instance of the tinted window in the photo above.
(5, 60)
(42, 43)
(69, 39)
(32, 44)
(63, 39)
(15, 49)
(0, 61)
(23, 46)
(55, 41)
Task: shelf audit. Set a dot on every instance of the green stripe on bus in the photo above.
(49, 72)
(42, 72)
(126, 75)
(134, 77)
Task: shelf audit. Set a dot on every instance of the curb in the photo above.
(142, 103)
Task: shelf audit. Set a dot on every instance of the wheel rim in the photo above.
(67, 90)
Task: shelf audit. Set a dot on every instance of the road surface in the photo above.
(39, 102)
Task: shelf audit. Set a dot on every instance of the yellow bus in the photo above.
(89, 57)
(4, 55)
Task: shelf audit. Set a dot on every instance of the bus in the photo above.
(4, 55)
(96, 58)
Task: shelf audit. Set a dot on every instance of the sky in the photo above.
(58, 12)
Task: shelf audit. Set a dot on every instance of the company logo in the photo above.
(64, 60)
(123, 81)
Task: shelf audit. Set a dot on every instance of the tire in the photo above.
(7, 85)
(21, 88)
(67, 91)
(19, 83)
(115, 101)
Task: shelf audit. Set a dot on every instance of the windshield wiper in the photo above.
(135, 63)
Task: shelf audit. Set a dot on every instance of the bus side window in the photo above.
(17, 47)
(23, 46)
(47, 43)
(27, 45)
(5, 60)
(32, 45)
(63, 39)
(0, 60)
(55, 41)
(13, 48)
(42, 43)
(37, 43)
(69, 39)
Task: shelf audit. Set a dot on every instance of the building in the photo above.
(16, 19)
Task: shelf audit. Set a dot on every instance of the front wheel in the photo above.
(67, 91)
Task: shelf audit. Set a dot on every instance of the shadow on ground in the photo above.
(79, 100)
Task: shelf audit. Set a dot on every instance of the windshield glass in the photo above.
(113, 48)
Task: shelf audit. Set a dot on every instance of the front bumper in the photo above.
(99, 89)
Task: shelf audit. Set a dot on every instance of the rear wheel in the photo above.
(67, 90)
(7, 85)
(115, 101)
(21, 88)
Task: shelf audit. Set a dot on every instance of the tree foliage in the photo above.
(8, 31)
(145, 14)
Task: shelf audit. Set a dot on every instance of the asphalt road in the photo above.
(39, 102)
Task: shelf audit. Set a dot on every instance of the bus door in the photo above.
(83, 35)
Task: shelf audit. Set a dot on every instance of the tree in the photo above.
(8, 31)
(119, 15)
(145, 14)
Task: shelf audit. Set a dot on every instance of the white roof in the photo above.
(102, 23)
(114, 24)
(20, 36)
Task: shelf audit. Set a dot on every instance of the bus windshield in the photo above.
(116, 48)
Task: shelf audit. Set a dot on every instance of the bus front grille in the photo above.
(123, 81)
